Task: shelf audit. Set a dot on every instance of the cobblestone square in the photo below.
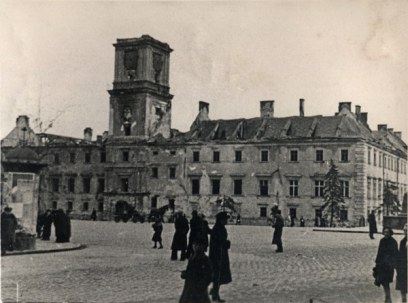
(119, 265)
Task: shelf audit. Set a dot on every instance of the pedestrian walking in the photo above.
(302, 221)
(195, 229)
(386, 262)
(93, 215)
(205, 231)
(401, 284)
(198, 275)
(372, 224)
(180, 237)
(278, 223)
(158, 229)
(8, 230)
(219, 246)
(47, 223)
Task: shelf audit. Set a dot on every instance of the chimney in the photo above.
(203, 111)
(364, 118)
(267, 108)
(398, 134)
(301, 107)
(390, 130)
(22, 121)
(105, 135)
(99, 138)
(358, 112)
(88, 134)
(345, 105)
(382, 126)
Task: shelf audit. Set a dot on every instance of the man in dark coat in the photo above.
(372, 224)
(219, 246)
(278, 223)
(402, 267)
(8, 230)
(195, 229)
(47, 223)
(386, 262)
(198, 275)
(62, 226)
(180, 237)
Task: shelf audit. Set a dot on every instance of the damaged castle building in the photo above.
(142, 162)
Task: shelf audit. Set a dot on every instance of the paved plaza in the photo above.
(119, 265)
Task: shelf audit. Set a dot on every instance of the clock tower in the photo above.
(140, 102)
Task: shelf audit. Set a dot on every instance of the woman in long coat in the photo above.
(198, 275)
(386, 262)
(219, 245)
(180, 237)
(402, 267)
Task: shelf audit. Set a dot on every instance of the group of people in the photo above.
(389, 258)
(62, 225)
(202, 270)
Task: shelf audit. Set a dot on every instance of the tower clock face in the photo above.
(131, 57)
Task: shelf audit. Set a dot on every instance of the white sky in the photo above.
(58, 56)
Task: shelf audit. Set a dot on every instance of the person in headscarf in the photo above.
(8, 230)
(219, 246)
(198, 275)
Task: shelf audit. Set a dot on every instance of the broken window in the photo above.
(155, 172)
(215, 184)
(86, 183)
(196, 156)
(71, 185)
(293, 155)
(87, 157)
(238, 156)
(55, 185)
(216, 156)
(195, 186)
(319, 155)
(264, 155)
(125, 156)
(344, 155)
(124, 185)
(238, 187)
(172, 172)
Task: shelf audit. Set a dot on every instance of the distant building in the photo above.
(142, 162)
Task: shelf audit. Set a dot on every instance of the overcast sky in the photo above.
(57, 58)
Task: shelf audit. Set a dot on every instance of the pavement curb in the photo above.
(45, 251)
(352, 231)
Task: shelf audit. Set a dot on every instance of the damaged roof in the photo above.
(264, 129)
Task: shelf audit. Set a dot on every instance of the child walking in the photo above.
(158, 228)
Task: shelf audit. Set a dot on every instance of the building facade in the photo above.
(142, 162)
